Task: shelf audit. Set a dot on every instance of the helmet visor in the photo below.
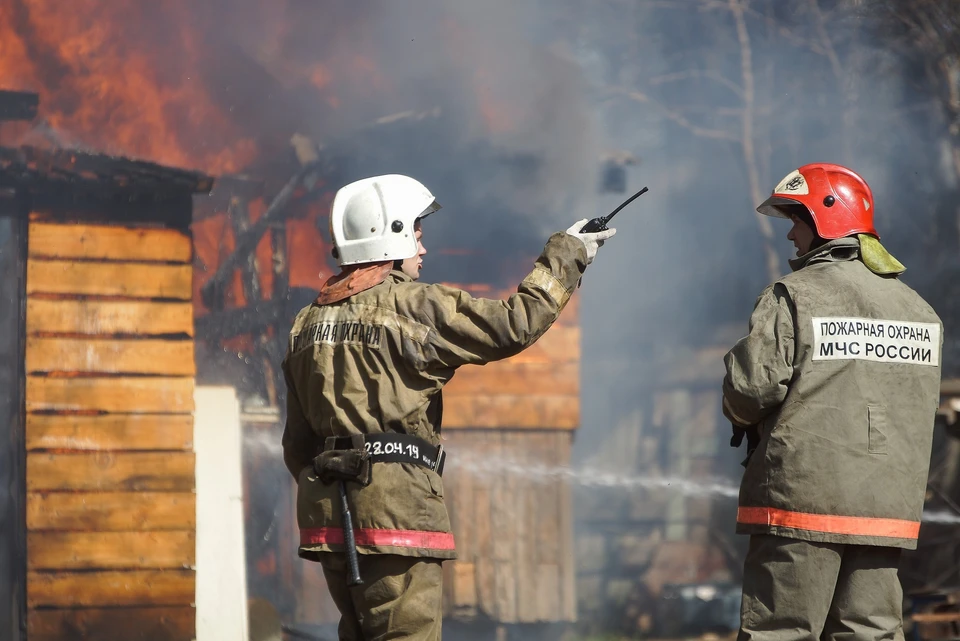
(778, 206)
(431, 208)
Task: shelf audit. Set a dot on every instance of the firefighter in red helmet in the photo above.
(836, 384)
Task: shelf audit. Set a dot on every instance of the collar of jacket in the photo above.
(399, 277)
(833, 251)
(353, 280)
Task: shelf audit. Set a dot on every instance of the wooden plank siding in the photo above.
(143, 394)
(123, 279)
(512, 521)
(95, 356)
(539, 388)
(109, 318)
(105, 588)
(111, 511)
(143, 624)
(111, 550)
(109, 242)
(111, 508)
(511, 433)
(130, 432)
(511, 411)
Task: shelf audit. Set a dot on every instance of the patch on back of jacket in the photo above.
(870, 339)
(333, 332)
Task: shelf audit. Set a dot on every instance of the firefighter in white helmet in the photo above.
(365, 367)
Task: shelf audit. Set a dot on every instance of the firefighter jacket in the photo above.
(840, 372)
(377, 362)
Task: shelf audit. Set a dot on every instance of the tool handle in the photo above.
(353, 564)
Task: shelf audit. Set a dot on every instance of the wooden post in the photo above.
(12, 464)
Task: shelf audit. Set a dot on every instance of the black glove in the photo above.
(752, 432)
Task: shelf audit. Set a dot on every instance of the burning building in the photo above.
(113, 272)
(255, 250)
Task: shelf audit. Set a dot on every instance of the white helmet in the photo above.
(372, 219)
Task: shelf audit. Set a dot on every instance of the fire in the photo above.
(220, 86)
(109, 80)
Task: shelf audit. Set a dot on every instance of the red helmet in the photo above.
(839, 201)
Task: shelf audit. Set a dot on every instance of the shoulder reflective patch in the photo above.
(794, 184)
(542, 279)
(869, 339)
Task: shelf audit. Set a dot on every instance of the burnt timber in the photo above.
(66, 178)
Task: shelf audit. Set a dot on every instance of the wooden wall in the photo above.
(508, 427)
(537, 388)
(512, 519)
(110, 468)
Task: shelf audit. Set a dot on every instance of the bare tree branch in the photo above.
(698, 74)
(671, 114)
(749, 153)
(779, 29)
(825, 41)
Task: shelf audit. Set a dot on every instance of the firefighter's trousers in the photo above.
(401, 597)
(795, 590)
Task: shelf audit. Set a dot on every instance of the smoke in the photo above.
(512, 154)
(465, 97)
(688, 262)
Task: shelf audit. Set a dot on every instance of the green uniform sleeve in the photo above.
(300, 443)
(466, 330)
(760, 365)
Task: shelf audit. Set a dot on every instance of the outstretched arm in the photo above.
(466, 330)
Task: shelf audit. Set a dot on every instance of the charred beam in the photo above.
(34, 168)
(239, 213)
(224, 191)
(18, 105)
(213, 290)
(280, 264)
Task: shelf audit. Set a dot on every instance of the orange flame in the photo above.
(102, 88)
(144, 80)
